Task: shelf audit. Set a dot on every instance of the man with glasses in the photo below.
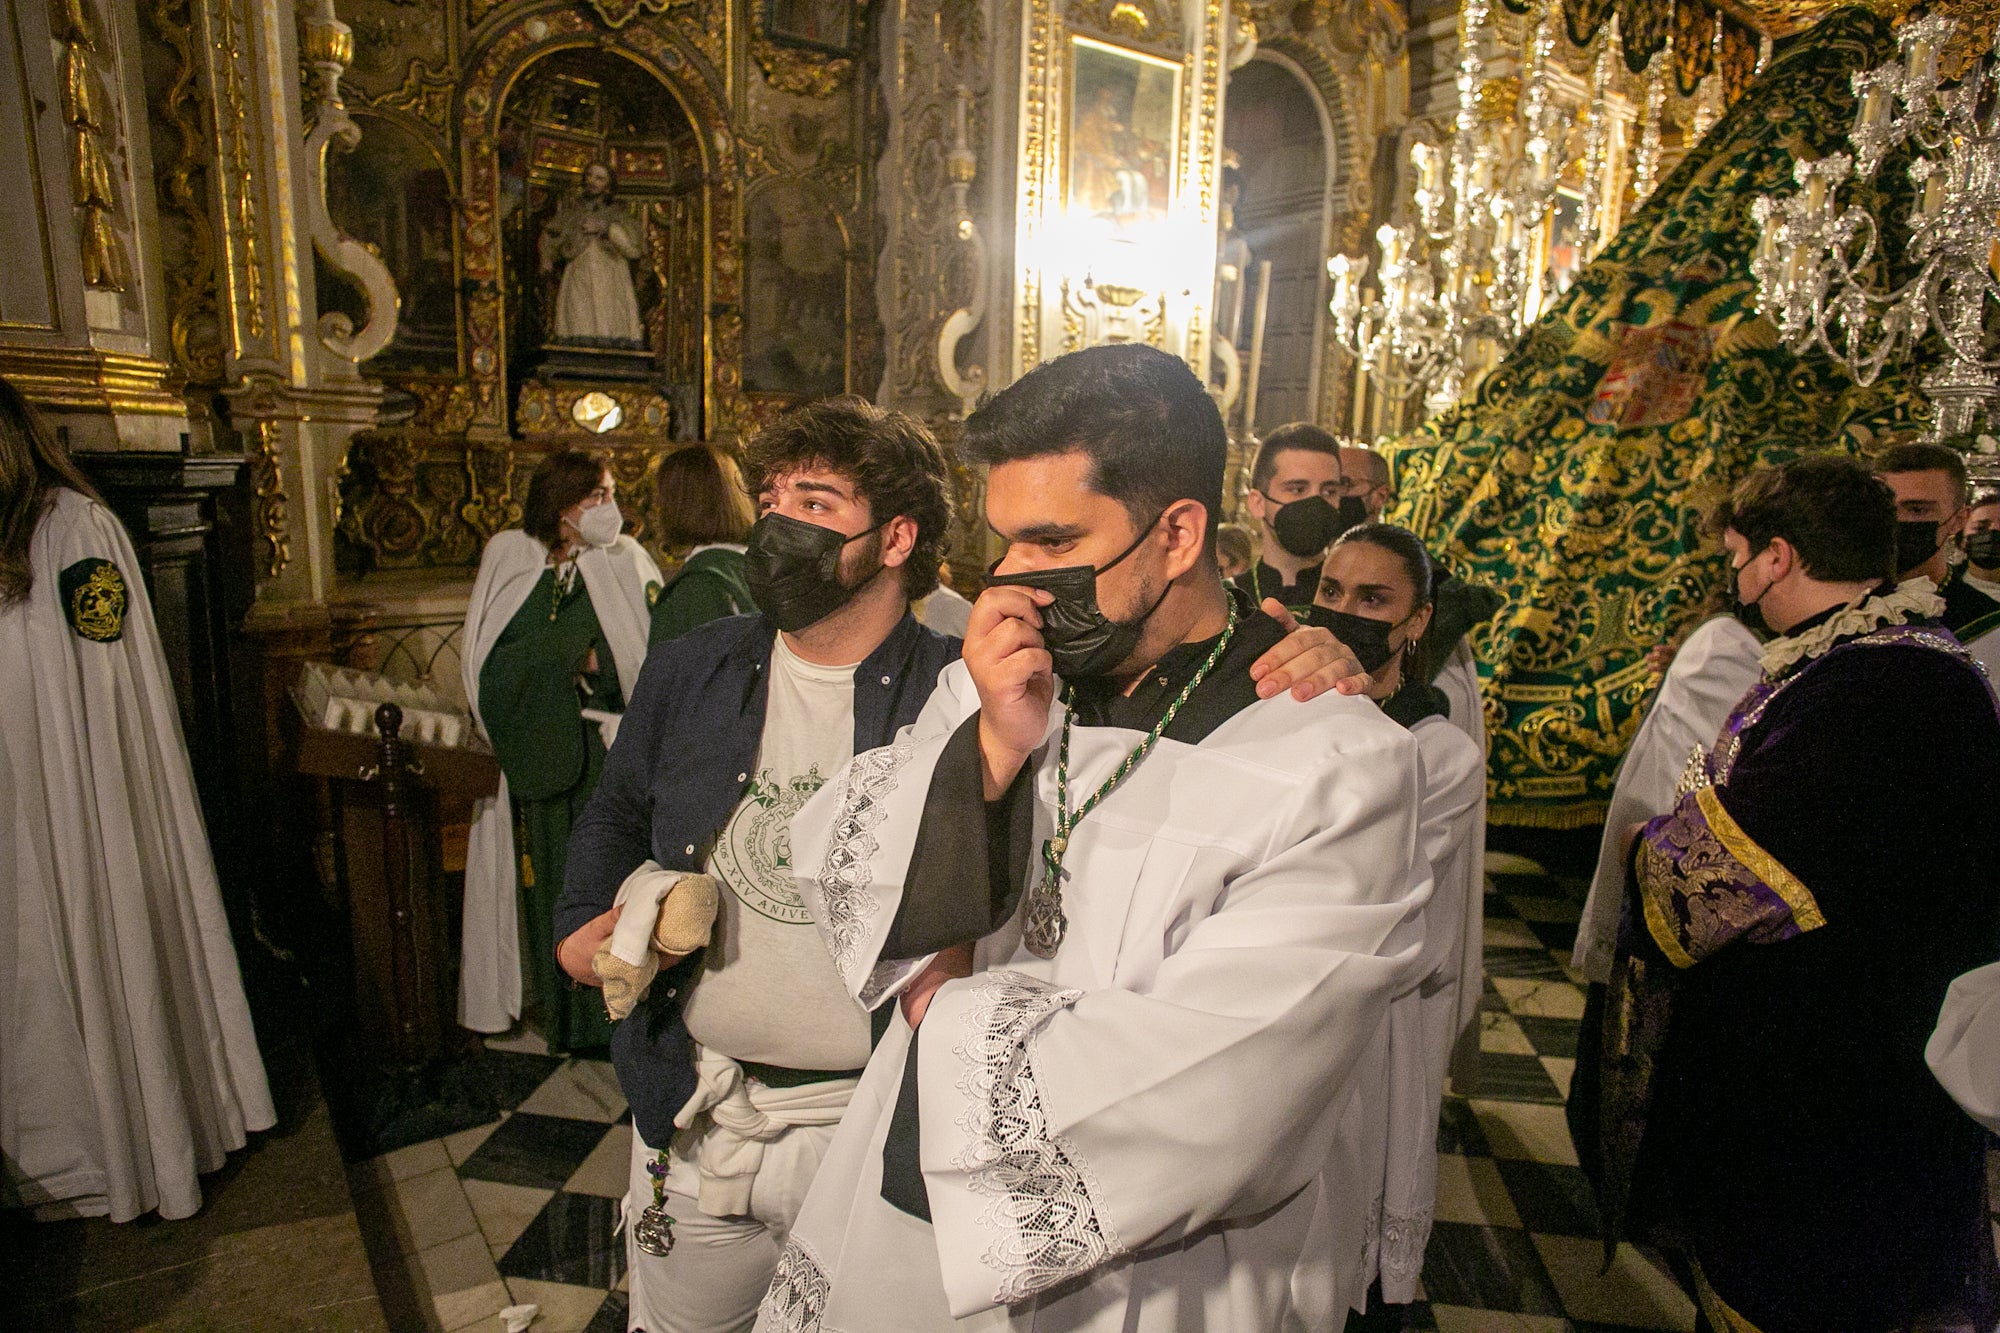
(1365, 478)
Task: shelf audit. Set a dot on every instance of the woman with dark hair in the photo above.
(128, 1065)
(703, 505)
(1375, 595)
(555, 634)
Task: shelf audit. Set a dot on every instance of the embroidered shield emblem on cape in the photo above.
(94, 599)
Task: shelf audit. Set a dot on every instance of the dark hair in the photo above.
(1302, 436)
(894, 463)
(1147, 424)
(1235, 540)
(1925, 458)
(1417, 563)
(561, 481)
(1839, 516)
(1981, 499)
(1378, 466)
(32, 466)
(1405, 546)
(701, 498)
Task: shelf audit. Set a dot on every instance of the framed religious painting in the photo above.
(1121, 166)
(821, 25)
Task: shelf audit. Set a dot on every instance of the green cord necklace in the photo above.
(1046, 924)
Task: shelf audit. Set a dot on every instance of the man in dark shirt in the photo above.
(1298, 499)
(1933, 502)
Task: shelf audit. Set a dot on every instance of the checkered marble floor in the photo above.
(523, 1209)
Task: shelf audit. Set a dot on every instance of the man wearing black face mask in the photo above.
(1789, 933)
(1296, 496)
(742, 1055)
(1139, 919)
(1931, 510)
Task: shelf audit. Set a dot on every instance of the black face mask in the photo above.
(1081, 639)
(793, 570)
(1308, 526)
(1746, 611)
(1983, 548)
(1916, 542)
(1365, 637)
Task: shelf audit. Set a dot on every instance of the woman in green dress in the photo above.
(557, 632)
(702, 505)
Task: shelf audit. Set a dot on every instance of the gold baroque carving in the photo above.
(74, 379)
(799, 72)
(1145, 23)
(425, 94)
(268, 481)
(104, 262)
(193, 324)
(233, 146)
(1037, 153)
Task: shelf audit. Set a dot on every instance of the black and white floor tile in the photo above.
(524, 1209)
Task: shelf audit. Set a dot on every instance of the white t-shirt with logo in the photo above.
(768, 991)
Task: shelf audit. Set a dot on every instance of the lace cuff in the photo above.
(1045, 1221)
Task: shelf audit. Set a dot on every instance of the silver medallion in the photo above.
(1043, 933)
(655, 1232)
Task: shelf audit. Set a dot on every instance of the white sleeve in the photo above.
(1964, 1052)
(1064, 1127)
(853, 840)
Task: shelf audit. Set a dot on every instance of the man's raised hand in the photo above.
(1015, 678)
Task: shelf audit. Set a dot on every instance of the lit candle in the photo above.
(1815, 191)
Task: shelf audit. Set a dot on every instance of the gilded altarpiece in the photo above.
(732, 182)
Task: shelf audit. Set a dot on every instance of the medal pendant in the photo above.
(1043, 933)
(655, 1232)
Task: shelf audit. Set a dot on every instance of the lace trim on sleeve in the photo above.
(1046, 1220)
(844, 879)
(1404, 1237)
(796, 1300)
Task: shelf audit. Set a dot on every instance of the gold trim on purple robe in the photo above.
(1703, 883)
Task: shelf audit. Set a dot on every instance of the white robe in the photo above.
(1391, 1126)
(1459, 680)
(1137, 1134)
(1713, 670)
(1964, 1051)
(128, 1065)
(617, 577)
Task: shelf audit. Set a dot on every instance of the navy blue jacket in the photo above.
(686, 750)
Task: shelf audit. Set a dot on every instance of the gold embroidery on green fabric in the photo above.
(1577, 482)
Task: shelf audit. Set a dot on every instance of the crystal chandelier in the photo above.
(1462, 271)
(1815, 258)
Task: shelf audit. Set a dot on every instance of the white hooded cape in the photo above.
(1713, 670)
(128, 1065)
(617, 577)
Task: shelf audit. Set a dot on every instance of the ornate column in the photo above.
(82, 316)
(289, 376)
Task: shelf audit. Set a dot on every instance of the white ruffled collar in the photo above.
(1913, 599)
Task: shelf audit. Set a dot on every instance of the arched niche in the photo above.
(1277, 130)
(695, 237)
(393, 191)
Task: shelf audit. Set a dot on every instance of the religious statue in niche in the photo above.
(594, 241)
